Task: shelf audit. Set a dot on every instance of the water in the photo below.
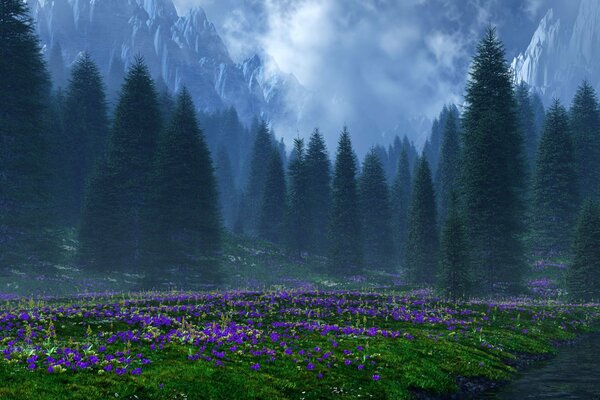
(573, 374)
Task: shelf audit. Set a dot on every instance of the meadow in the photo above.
(293, 332)
(296, 344)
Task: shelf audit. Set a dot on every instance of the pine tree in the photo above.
(454, 277)
(583, 277)
(187, 204)
(433, 146)
(526, 121)
(422, 241)
(227, 190)
(585, 125)
(25, 193)
(121, 189)
(375, 212)
(493, 171)
(447, 176)
(165, 99)
(345, 255)
(400, 204)
(85, 132)
(318, 177)
(261, 156)
(56, 67)
(271, 223)
(555, 184)
(297, 232)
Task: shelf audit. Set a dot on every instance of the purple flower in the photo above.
(375, 377)
(136, 371)
(255, 367)
(310, 366)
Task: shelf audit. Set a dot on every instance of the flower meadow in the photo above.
(270, 344)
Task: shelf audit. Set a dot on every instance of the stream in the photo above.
(573, 374)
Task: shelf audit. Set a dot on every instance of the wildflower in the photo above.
(375, 377)
(255, 367)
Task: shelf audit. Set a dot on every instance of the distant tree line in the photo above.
(497, 181)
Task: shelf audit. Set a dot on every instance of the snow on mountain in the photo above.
(181, 50)
(562, 53)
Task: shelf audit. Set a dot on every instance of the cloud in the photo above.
(369, 63)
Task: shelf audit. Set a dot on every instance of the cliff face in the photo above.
(180, 50)
(562, 53)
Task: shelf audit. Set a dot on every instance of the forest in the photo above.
(137, 231)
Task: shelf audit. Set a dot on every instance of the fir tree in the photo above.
(493, 171)
(447, 175)
(526, 122)
(318, 181)
(375, 212)
(555, 184)
(165, 99)
(187, 199)
(85, 132)
(583, 277)
(454, 277)
(297, 232)
(345, 243)
(25, 193)
(56, 67)
(125, 179)
(227, 189)
(400, 204)
(271, 223)
(261, 156)
(585, 124)
(422, 241)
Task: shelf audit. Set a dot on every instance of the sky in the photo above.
(374, 64)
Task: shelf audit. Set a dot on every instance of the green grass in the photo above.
(427, 356)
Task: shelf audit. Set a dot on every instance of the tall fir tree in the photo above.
(56, 67)
(585, 125)
(120, 192)
(25, 193)
(165, 99)
(422, 240)
(555, 186)
(447, 176)
(526, 122)
(375, 212)
(454, 278)
(345, 242)
(400, 204)
(259, 163)
(583, 276)
(271, 222)
(297, 229)
(187, 201)
(85, 132)
(493, 171)
(227, 190)
(318, 181)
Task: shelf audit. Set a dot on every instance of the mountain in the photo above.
(179, 50)
(563, 51)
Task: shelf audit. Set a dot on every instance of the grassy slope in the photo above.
(431, 361)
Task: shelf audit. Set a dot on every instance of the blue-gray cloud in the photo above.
(371, 63)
